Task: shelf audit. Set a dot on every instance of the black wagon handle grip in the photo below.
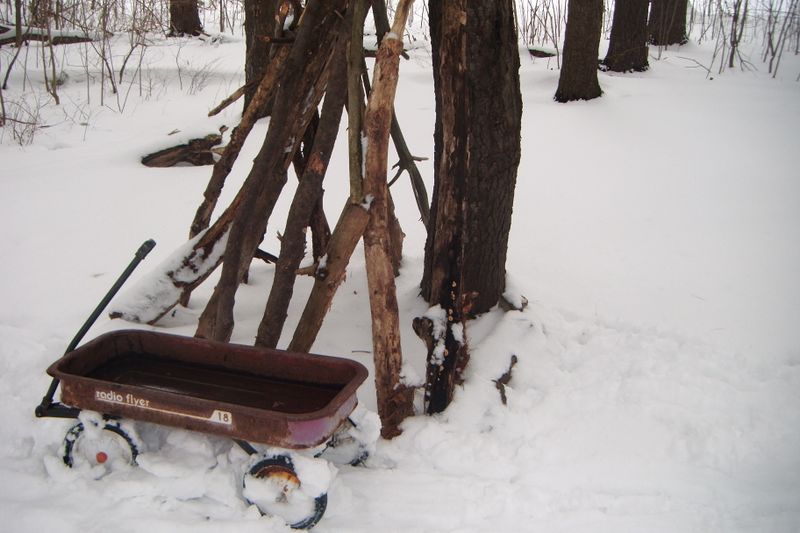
(145, 249)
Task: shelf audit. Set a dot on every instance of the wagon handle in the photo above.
(46, 408)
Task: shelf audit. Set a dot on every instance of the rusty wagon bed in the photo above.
(292, 400)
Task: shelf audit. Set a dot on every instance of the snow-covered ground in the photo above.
(655, 235)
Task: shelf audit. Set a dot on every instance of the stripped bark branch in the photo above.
(394, 398)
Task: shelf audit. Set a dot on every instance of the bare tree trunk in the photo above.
(578, 78)
(18, 21)
(667, 24)
(184, 18)
(627, 49)
(259, 26)
(477, 151)
(394, 399)
(305, 74)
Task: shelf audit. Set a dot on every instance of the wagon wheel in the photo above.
(104, 446)
(343, 448)
(273, 487)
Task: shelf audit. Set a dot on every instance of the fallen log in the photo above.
(196, 152)
(8, 35)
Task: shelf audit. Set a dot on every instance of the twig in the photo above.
(503, 380)
(238, 93)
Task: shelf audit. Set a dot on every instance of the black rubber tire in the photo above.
(285, 462)
(76, 431)
(341, 438)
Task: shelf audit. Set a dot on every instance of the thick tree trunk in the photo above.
(477, 151)
(394, 399)
(306, 198)
(667, 23)
(184, 18)
(306, 74)
(259, 26)
(476, 146)
(627, 49)
(578, 79)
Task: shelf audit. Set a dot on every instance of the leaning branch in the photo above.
(394, 399)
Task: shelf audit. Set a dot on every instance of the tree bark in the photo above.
(394, 399)
(476, 155)
(259, 25)
(627, 49)
(476, 147)
(306, 74)
(184, 18)
(667, 23)
(305, 200)
(578, 78)
(196, 152)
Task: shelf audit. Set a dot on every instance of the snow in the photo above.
(654, 236)
(157, 292)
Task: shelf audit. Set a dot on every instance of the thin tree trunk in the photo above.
(18, 21)
(306, 74)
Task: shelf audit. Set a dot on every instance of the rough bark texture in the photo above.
(477, 147)
(394, 399)
(259, 26)
(184, 18)
(627, 49)
(477, 151)
(667, 23)
(306, 198)
(305, 75)
(578, 78)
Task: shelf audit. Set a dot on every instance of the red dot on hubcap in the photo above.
(101, 457)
